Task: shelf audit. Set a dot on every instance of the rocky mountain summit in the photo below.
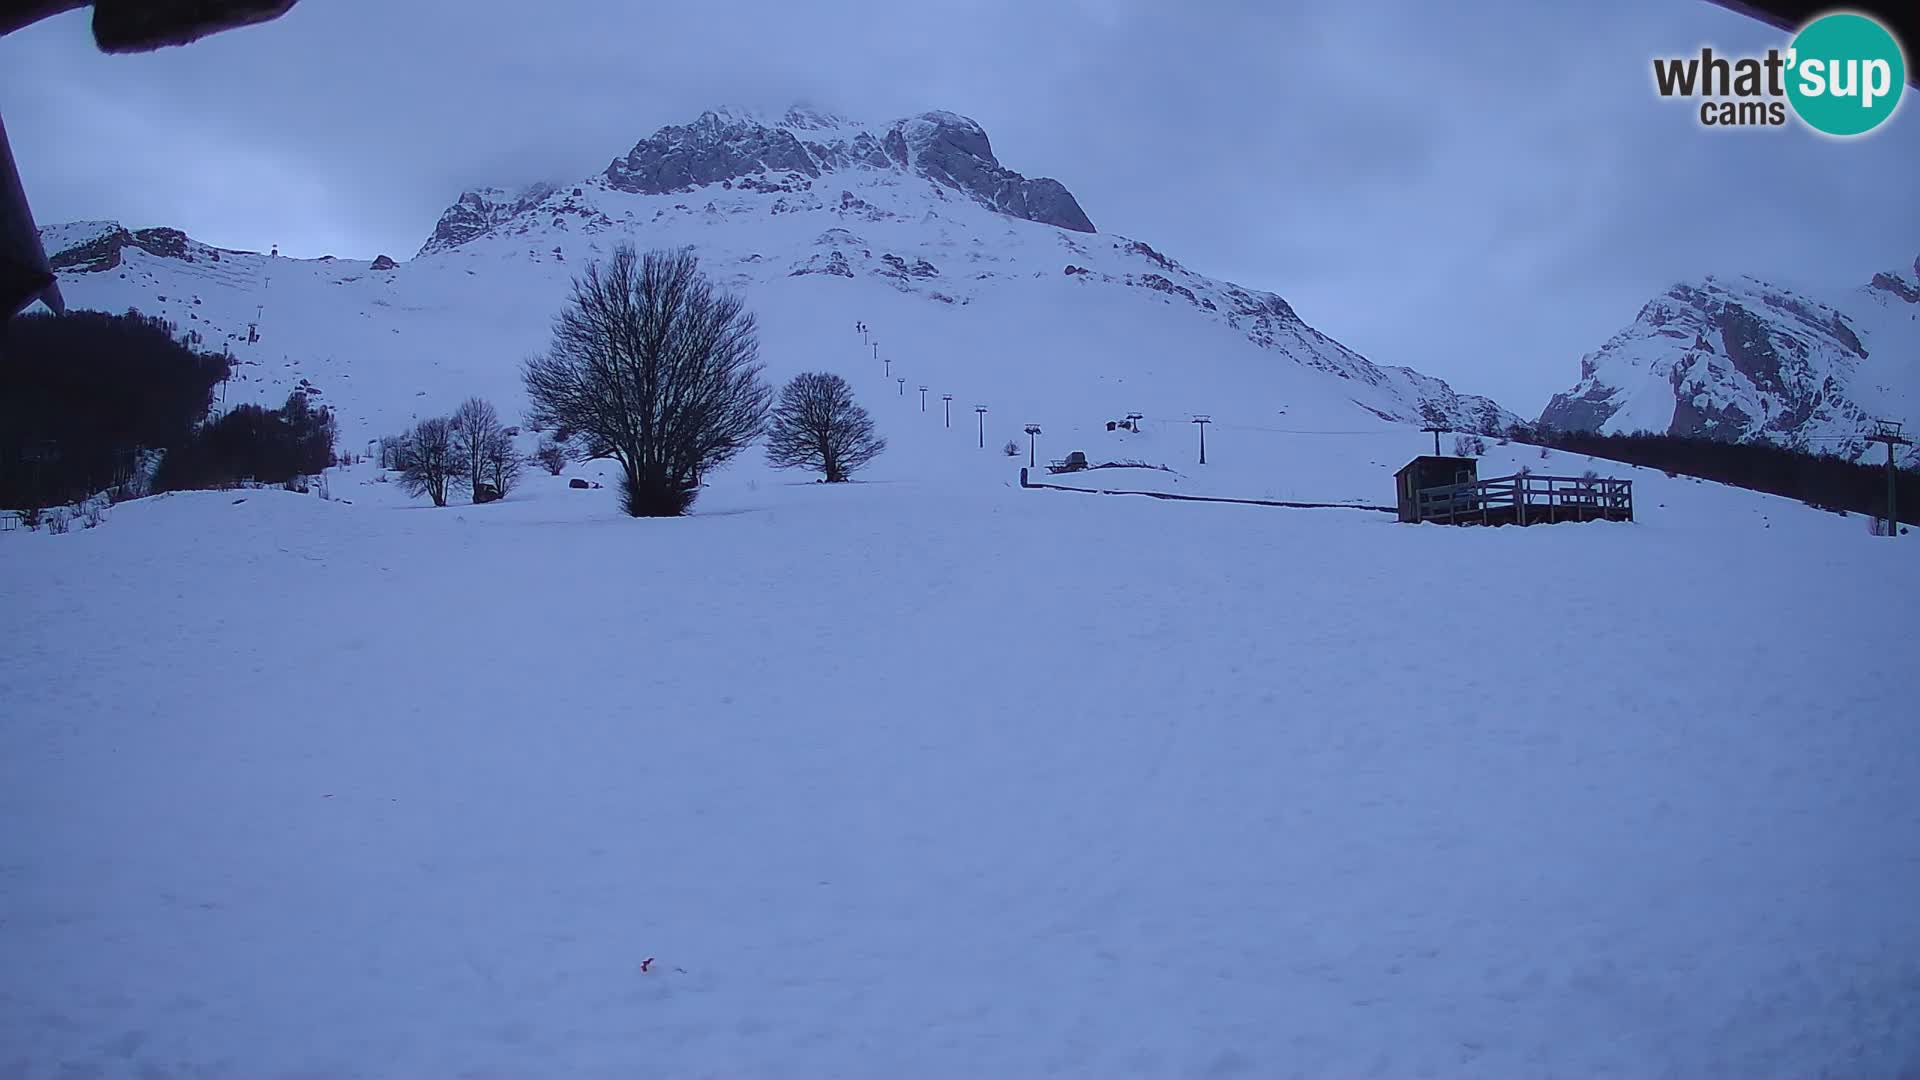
(476, 212)
(1742, 359)
(97, 246)
(737, 147)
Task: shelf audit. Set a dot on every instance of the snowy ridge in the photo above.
(477, 211)
(1041, 322)
(1743, 359)
(728, 145)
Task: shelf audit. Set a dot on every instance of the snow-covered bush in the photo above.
(1012, 449)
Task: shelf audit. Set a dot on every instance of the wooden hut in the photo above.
(1430, 471)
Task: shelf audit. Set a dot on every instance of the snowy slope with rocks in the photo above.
(980, 282)
(1747, 360)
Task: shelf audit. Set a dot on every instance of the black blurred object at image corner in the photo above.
(25, 275)
(124, 26)
(1901, 16)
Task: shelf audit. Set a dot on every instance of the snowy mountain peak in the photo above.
(722, 146)
(985, 277)
(738, 145)
(799, 116)
(1742, 359)
(804, 117)
(479, 210)
(1899, 286)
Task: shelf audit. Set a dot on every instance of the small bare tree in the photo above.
(551, 456)
(432, 463)
(393, 451)
(654, 368)
(475, 428)
(817, 425)
(500, 464)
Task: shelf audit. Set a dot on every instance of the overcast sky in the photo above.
(1483, 194)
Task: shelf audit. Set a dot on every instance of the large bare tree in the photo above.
(817, 425)
(652, 367)
(476, 431)
(432, 462)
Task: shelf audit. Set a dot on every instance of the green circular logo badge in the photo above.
(1845, 74)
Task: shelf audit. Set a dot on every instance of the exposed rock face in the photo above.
(953, 150)
(1740, 359)
(713, 148)
(476, 212)
(1904, 290)
(102, 251)
(384, 262)
(727, 147)
(736, 149)
(829, 262)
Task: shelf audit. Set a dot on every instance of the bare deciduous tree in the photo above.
(652, 367)
(551, 456)
(817, 425)
(393, 453)
(432, 463)
(500, 464)
(475, 427)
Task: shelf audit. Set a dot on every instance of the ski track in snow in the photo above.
(902, 779)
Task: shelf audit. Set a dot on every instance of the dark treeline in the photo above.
(252, 443)
(1817, 479)
(81, 394)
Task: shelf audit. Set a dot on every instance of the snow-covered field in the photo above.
(921, 777)
(929, 775)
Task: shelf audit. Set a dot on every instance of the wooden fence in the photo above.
(1526, 499)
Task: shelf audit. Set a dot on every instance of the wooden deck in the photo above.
(1527, 499)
